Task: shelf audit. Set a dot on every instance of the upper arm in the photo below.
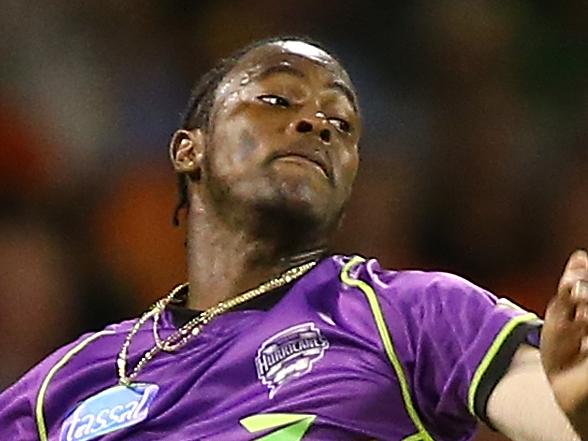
(456, 341)
(522, 406)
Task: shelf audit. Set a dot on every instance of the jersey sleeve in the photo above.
(455, 341)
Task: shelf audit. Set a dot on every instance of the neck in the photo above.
(225, 260)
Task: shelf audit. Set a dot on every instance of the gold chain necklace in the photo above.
(191, 329)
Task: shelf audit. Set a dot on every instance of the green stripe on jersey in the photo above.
(386, 339)
(40, 417)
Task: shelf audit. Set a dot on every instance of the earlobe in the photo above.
(186, 150)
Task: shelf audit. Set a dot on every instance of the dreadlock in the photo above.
(197, 112)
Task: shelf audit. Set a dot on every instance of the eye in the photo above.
(340, 124)
(274, 100)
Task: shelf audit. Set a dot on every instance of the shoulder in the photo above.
(22, 405)
(91, 346)
(412, 287)
(431, 301)
(100, 342)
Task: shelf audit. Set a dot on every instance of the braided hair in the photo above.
(197, 112)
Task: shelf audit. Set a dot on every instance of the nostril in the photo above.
(325, 135)
(304, 126)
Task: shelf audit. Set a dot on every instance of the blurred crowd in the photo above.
(474, 154)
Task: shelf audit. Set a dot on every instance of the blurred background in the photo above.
(474, 158)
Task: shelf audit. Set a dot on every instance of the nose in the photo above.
(305, 126)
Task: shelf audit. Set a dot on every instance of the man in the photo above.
(274, 340)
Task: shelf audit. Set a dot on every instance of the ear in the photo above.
(186, 150)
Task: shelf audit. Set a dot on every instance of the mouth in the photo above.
(304, 160)
(315, 161)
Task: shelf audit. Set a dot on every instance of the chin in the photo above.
(297, 206)
(281, 204)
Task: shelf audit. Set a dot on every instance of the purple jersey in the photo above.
(349, 352)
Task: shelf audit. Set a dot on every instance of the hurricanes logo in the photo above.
(289, 354)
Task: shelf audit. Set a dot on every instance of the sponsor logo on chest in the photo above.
(289, 354)
(112, 409)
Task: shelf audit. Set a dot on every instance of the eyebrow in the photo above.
(281, 68)
(291, 70)
(346, 90)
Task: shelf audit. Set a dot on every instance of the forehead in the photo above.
(294, 48)
(287, 52)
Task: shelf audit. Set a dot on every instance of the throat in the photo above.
(227, 259)
(230, 274)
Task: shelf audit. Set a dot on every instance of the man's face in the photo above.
(283, 133)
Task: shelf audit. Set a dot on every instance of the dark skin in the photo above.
(272, 173)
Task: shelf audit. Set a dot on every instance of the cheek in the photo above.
(236, 150)
(349, 166)
(247, 145)
(245, 134)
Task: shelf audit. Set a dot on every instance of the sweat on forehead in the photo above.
(277, 51)
(304, 49)
(281, 52)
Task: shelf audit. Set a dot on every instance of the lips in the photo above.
(314, 157)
